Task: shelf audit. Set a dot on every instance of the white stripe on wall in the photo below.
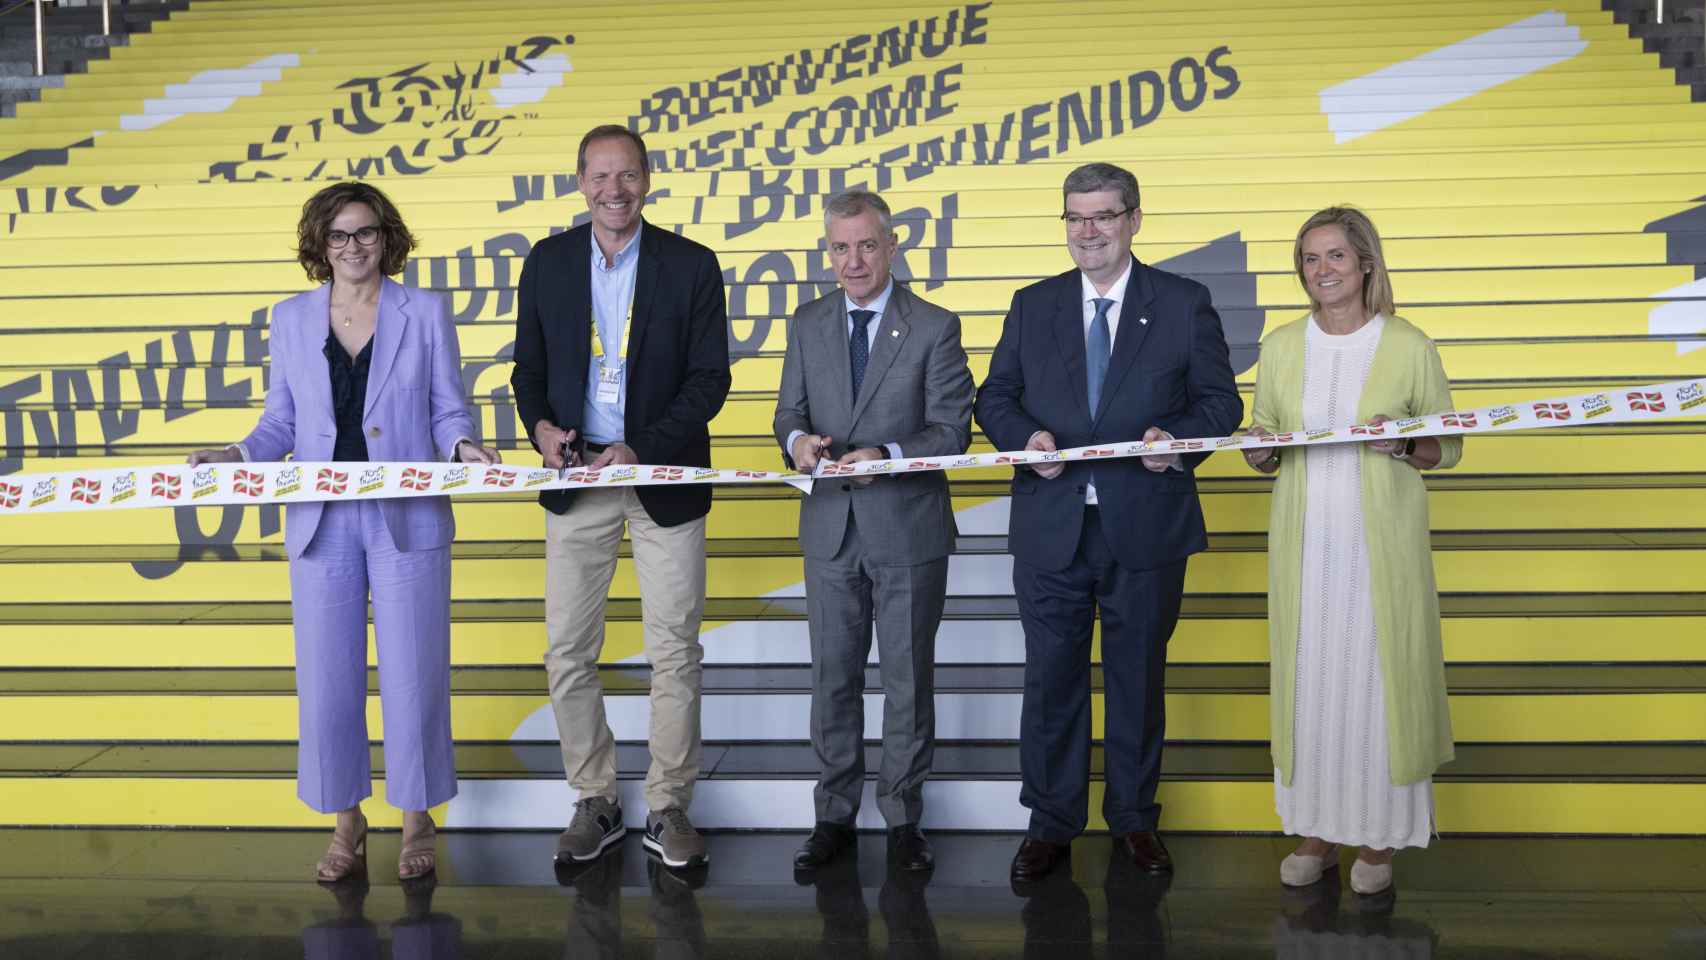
(1406, 90)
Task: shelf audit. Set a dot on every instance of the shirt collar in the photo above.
(1116, 293)
(623, 256)
(877, 306)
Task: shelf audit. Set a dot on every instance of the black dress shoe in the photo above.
(908, 850)
(1145, 851)
(1036, 859)
(826, 841)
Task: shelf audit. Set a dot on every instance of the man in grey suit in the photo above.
(872, 372)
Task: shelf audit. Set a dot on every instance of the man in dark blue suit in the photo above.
(1112, 351)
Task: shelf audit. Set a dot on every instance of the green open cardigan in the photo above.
(1406, 380)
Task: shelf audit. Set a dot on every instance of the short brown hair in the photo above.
(323, 207)
(1365, 240)
(613, 130)
(1096, 177)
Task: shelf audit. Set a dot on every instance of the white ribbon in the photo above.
(222, 484)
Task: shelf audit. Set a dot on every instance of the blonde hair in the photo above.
(1365, 240)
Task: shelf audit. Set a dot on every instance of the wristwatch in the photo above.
(1408, 449)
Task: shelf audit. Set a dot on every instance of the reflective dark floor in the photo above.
(174, 894)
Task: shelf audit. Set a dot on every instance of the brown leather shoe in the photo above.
(1145, 851)
(1036, 859)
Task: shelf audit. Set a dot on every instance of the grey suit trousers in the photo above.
(842, 594)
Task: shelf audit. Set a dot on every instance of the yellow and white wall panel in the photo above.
(1536, 177)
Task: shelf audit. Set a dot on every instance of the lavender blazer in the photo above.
(415, 409)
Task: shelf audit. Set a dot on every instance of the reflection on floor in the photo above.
(179, 894)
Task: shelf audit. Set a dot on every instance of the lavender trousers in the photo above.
(351, 554)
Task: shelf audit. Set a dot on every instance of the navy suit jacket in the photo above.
(678, 356)
(1170, 372)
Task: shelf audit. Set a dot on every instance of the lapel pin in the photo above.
(894, 333)
(1143, 320)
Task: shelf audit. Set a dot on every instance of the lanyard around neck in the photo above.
(598, 338)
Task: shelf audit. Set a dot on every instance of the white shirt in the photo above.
(878, 306)
(612, 302)
(1116, 293)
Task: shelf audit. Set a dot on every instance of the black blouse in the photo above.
(349, 396)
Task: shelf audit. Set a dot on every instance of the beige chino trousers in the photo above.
(669, 562)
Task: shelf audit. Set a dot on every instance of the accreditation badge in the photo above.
(609, 383)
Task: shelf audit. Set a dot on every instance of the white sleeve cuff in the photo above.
(893, 449)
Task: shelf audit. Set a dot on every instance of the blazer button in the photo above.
(1081, 488)
(847, 486)
(373, 431)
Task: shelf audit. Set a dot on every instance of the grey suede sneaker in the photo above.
(596, 825)
(670, 835)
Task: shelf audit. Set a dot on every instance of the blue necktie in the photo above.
(1096, 350)
(859, 347)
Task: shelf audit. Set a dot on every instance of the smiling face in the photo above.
(614, 182)
(1332, 272)
(1100, 249)
(355, 262)
(861, 251)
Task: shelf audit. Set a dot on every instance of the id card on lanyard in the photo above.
(609, 389)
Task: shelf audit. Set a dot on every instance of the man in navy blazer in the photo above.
(1111, 351)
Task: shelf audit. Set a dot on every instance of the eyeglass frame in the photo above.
(333, 243)
(1102, 221)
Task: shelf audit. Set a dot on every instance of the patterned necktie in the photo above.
(859, 347)
(1096, 349)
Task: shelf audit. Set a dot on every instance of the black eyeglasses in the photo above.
(366, 236)
(1102, 220)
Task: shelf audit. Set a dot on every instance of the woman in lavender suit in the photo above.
(366, 369)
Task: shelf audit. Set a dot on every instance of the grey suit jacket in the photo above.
(917, 392)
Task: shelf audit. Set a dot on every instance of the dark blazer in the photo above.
(414, 409)
(678, 356)
(917, 393)
(1171, 372)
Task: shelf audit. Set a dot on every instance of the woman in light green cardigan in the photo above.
(1358, 700)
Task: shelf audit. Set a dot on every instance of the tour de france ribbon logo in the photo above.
(124, 486)
(44, 492)
(248, 483)
(372, 478)
(204, 483)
